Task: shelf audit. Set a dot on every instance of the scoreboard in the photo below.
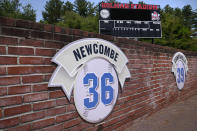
(130, 20)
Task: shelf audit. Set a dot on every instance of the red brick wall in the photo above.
(27, 103)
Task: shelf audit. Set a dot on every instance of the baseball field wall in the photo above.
(27, 103)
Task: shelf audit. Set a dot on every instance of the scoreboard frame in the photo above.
(152, 19)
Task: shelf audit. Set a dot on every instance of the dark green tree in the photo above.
(84, 8)
(187, 15)
(29, 13)
(91, 9)
(81, 7)
(194, 23)
(53, 10)
(175, 32)
(73, 20)
(178, 12)
(194, 18)
(168, 9)
(68, 6)
(11, 8)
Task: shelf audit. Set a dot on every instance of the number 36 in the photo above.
(104, 89)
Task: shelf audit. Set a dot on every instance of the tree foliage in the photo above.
(52, 13)
(55, 10)
(28, 13)
(84, 8)
(12, 8)
(177, 28)
(73, 20)
(68, 6)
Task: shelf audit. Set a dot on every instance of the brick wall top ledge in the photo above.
(28, 30)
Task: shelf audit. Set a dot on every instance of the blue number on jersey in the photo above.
(107, 93)
(106, 89)
(92, 90)
(180, 72)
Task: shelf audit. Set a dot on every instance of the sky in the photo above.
(38, 5)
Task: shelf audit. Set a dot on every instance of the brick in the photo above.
(0, 113)
(9, 80)
(32, 79)
(2, 50)
(15, 32)
(17, 110)
(119, 112)
(32, 116)
(45, 52)
(31, 42)
(48, 27)
(9, 122)
(8, 40)
(55, 111)
(21, 128)
(29, 25)
(58, 29)
(20, 70)
(4, 60)
(44, 105)
(137, 115)
(2, 70)
(92, 34)
(47, 77)
(22, 23)
(30, 70)
(90, 129)
(77, 38)
(71, 123)
(54, 128)
(40, 87)
(19, 89)
(20, 51)
(56, 94)
(62, 101)
(31, 60)
(56, 45)
(108, 37)
(118, 124)
(68, 31)
(47, 61)
(10, 100)
(6, 21)
(70, 108)
(81, 126)
(77, 32)
(63, 38)
(65, 117)
(36, 97)
(37, 26)
(45, 69)
(85, 33)
(43, 123)
(42, 35)
(3, 91)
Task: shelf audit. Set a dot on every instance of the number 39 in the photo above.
(104, 89)
(180, 72)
